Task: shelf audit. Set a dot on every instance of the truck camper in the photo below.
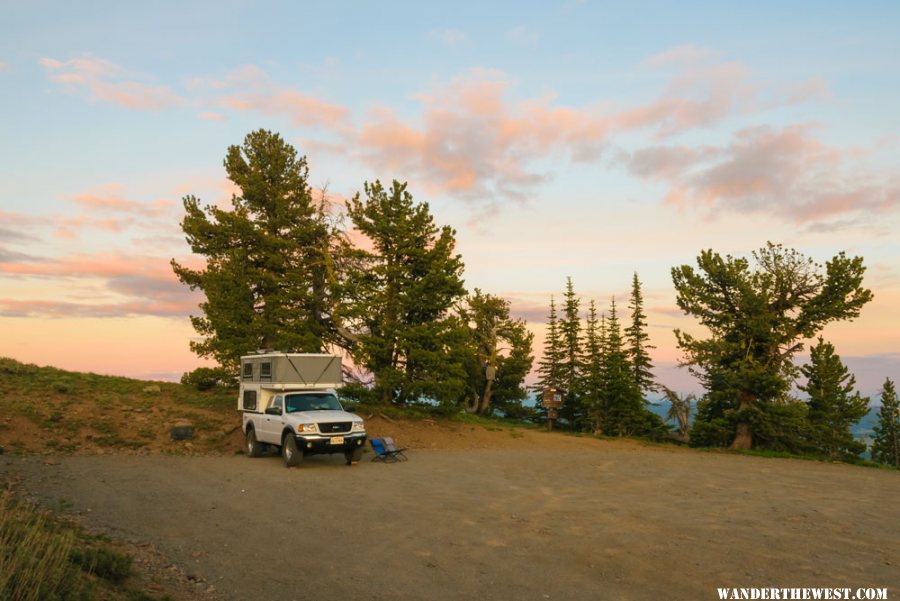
(289, 401)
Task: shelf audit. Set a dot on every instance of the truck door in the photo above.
(272, 423)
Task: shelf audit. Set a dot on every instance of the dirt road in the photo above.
(593, 520)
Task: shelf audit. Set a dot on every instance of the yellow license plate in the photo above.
(337, 440)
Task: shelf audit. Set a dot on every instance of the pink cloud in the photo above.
(471, 140)
(680, 55)
(249, 89)
(147, 282)
(300, 109)
(698, 96)
(110, 199)
(59, 309)
(105, 81)
(788, 172)
(69, 228)
(211, 116)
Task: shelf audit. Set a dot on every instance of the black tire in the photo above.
(353, 456)
(252, 447)
(290, 453)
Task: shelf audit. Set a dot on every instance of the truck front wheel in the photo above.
(289, 451)
(253, 447)
(353, 456)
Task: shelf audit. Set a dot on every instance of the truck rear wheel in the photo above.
(253, 447)
(289, 451)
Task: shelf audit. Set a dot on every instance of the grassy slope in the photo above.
(44, 409)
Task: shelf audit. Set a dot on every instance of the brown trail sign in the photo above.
(552, 401)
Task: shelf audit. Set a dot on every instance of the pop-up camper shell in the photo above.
(265, 374)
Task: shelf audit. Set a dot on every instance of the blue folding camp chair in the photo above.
(384, 452)
(392, 448)
(381, 453)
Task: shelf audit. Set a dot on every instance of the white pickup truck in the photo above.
(289, 401)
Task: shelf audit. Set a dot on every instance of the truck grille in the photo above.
(334, 427)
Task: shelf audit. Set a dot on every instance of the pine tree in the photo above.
(591, 381)
(757, 316)
(886, 446)
(627, 414)
(833, 405)
(638, 341)
(498, 344)
(402, 296)
(623, 396)
(550, 367)
(570, 334)
(266, 277)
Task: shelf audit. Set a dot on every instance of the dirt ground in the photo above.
(489, 514)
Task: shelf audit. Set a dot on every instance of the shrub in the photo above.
(103, 563)
(207, 378)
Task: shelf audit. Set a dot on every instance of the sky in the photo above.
(581, 139)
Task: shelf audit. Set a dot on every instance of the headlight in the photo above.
(359, 427)
(301, 428)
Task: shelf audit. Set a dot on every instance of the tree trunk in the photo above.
(486, 398)
(743, 437)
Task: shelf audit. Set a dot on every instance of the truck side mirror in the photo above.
(273, 410)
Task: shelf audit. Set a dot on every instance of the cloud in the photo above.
(249, 89)
(786, 172)
(15, 226)
(679, 56)
(104, 81)
(107, 208)
(146, 282)
(211, 116)
(12, 256)
(102, 265)
(471, 140)
(4, 67)
(12, 235)
(697, 96)
(59, 309)
(473, 143)
(109, 199)
(69, 228)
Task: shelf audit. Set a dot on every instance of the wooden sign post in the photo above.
(552, 401)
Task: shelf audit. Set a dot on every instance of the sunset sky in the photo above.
(584, 139)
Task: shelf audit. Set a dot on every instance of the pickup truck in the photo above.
(288, 400)
(305, 423)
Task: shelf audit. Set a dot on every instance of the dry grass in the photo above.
(34, 554)
(45, 558)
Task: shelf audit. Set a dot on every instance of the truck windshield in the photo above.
(311, 402)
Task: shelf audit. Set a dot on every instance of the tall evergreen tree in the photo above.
(571, 338)
(886, 446)
(551, 373)
(265, 278)
(591, 387)
(626, 414)
(402, 296)
(639, 341)
(833, 405)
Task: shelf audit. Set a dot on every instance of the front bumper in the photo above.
(315, 444)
